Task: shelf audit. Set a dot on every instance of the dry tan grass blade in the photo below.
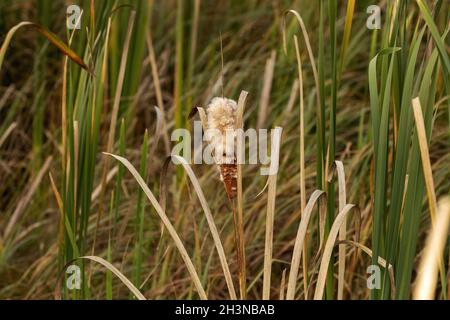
(292, 98)
(308, 45)
(25, 199)
(283, 284)
(173, 233)
(298, 246)
(60, 207)
(302, 161)
(268, 247)
(203, 118)
(7, 133)
(239, 204)
(432, 255)
(309, 49)
(159, 127)
(118, 93)
(427, 172)
(211, 224)
(381, 261)
(265, 95)
(424, 154)
(328, 250)
(338, 167)
(158, 91)
(109, 176)
(111, 268)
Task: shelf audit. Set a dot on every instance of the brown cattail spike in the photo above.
(228, 174)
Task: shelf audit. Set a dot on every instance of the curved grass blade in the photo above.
(319, 93)
(299, 240)
(338, 167)
(328, 250)
(173, 233)
(382, 262)
(107, 265)
(209, 218)
(50, 36)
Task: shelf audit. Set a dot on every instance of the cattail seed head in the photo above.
(221, 120)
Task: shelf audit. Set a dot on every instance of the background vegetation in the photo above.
(61, 198)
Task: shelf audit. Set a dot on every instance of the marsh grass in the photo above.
(363, 158)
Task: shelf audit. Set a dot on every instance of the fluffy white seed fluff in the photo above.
(221, 117)
(221, 114)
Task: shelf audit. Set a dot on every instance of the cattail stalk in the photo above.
(221, 123)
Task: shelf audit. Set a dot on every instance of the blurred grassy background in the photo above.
(54, 115)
